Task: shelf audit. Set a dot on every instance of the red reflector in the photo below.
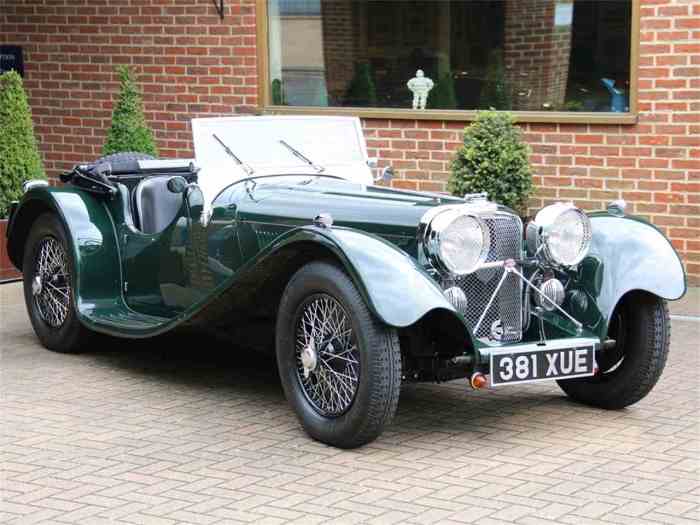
(478, 380)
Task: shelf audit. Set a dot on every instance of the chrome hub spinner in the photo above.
(309, 359)
(37, 285)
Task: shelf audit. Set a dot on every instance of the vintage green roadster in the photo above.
(357, 287)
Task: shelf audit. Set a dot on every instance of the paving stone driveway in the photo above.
(150, 433)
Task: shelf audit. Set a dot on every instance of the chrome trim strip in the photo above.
(34, 183)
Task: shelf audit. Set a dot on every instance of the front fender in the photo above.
(396, 289)
(91, 235)
(634, 255)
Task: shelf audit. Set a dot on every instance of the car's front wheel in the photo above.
(49, 283)
(340, 367)
(641, 328)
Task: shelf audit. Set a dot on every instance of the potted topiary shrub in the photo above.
(494, 159)
(19, 156)
(129, 131)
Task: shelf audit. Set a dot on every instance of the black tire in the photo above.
(68, 335)
(375, 345)
(124, 156)
(641, 326)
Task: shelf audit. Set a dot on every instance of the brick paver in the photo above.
(150, 433)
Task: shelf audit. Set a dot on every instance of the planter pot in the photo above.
(7, 271)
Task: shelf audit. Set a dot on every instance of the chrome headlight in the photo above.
(562, 231)
(456, 241)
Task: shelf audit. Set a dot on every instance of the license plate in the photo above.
(551, 361)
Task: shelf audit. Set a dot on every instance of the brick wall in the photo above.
(191, 64)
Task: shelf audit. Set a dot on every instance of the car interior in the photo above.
(153, 205)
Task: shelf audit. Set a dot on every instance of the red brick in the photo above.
(687, 23)
(692, 187)
(669, 197)
(671, 60)
(685, 233)
(623, 162)
(663, 220)
(589, 139)
(404, 184)
(654, 140)
(653, 163)
(673, 10)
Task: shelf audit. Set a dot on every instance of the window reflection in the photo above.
(534, 55)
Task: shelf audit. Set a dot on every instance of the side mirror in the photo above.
(386, 176)
(177, 184)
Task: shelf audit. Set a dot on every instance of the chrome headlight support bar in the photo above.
(510, 266)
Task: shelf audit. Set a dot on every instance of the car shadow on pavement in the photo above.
(199, 362)
(190, 360)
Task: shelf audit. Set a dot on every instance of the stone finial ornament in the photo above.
(420, 86)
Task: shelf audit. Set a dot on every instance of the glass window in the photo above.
(522, 55)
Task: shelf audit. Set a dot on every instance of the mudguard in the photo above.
(633, 255)
(396, 289)
(91, 235)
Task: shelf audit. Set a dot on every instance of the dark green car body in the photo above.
(229, 274)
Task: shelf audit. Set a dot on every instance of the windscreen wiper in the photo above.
(246, 167)
(300, 155)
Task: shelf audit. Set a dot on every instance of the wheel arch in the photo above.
(20, 225)
(91, 236)
(630, 255)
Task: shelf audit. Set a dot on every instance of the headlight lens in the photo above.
(457, 242)
(564, 231)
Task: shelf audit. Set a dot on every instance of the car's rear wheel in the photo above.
(48, 273)
(340, 367)
(641, 328)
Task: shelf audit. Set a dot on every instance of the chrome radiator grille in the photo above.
(503, 321)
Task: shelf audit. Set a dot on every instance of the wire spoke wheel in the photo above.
(51, 283)
(340, 367)
(327, 356)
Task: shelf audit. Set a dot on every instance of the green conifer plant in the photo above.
(19, 156)
(494, 159)
(277, 92)
(129, 130)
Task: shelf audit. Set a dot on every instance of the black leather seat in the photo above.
(157, 207)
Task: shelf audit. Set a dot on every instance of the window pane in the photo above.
(534, 55)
